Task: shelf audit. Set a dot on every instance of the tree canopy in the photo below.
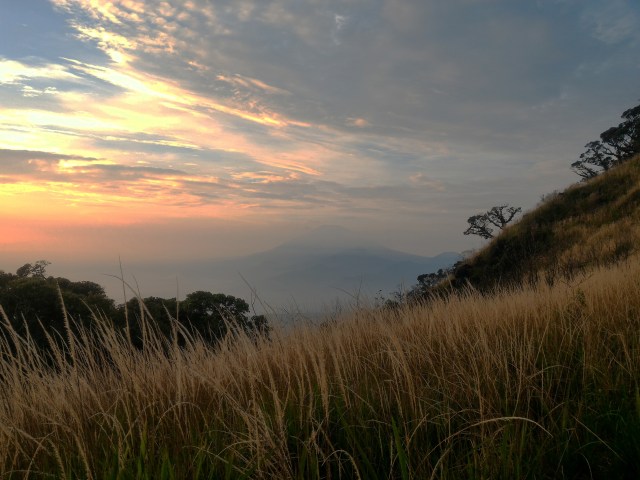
(498, 217)
(616, 145)
(36, 304)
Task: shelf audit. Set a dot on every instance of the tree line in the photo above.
(616, 145)
(35, 305)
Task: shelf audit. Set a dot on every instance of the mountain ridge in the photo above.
(325, 264)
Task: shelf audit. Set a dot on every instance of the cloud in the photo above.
(22, 155)
(111, 184)
(353, 109)
(28, 91)
(277, 63)
(115, 46)
(612, 22)
(358, 122)
(12, 71)
(250, 84)
(33, 162)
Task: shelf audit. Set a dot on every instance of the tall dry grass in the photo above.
(537, 382)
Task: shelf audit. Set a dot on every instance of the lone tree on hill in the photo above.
(484, 223)
(616, 145)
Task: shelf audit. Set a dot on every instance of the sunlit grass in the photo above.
(536, 382)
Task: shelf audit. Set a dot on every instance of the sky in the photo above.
(165, 130)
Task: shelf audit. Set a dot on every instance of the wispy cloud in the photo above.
(296, 109)
(12, 71)
(612, 22)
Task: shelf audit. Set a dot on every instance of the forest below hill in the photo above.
(43, 307)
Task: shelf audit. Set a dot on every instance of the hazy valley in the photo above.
(315, 271)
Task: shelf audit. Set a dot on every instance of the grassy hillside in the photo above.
(533, 381)
(589, 224)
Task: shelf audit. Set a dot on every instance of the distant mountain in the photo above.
(324, 265)
(328, 237)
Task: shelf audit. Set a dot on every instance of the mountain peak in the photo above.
(330, 237)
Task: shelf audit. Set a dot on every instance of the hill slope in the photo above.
(589, 224)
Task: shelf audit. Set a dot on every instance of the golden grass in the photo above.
(468, 386)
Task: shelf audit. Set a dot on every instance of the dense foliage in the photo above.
(484, 224)
(46, 307)
(616, 145)
(39, 305)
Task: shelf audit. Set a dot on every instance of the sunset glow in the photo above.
(283, 115)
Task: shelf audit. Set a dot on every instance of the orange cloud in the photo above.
(150, 133)
(358, 122)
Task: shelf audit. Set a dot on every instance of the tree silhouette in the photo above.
(498, 217)
(205, 314)
(38, 306)
(209, 314)
(616, 145)
(38, 269)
